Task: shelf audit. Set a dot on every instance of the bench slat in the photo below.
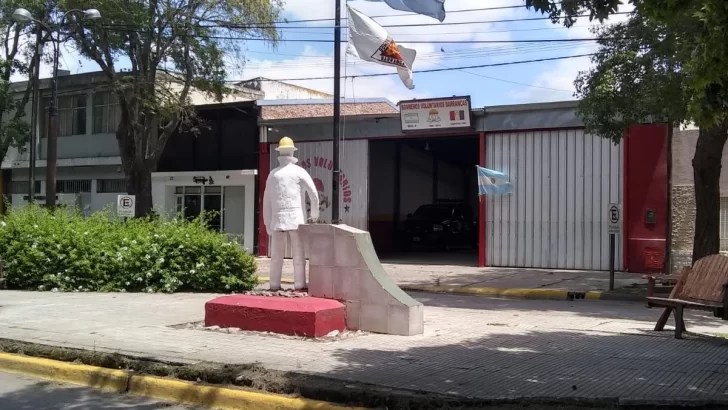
(706, 279)
(670, 302)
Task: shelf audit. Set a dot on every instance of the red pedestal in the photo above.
(310, 317)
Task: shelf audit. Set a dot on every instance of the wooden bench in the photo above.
(652, 280)
(702, 287)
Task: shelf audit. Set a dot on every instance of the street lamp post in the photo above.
(22, 15)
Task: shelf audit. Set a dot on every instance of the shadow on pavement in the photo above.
(544, 364)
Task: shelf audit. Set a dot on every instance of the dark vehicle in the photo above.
(443, 225)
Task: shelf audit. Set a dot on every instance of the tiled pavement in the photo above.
(457, 273)
(473, 346)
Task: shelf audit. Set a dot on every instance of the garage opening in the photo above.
(423, 202)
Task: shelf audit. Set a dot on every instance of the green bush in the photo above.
(64, 251)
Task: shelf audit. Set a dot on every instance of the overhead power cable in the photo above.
(313, 40)
(433, 70)
(228, 25)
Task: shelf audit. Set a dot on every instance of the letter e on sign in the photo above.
(614, 215)
(126, 206)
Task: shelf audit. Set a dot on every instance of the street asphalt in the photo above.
(25, 393)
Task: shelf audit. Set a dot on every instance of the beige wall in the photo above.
(683, 195)
(683, 150)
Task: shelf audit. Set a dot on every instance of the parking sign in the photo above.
(126, 206)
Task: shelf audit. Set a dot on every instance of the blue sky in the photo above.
(534, 82)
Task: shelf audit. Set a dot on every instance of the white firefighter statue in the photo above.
(283, 211)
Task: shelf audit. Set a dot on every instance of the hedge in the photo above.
(64, 251)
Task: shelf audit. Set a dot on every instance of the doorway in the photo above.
(193, 200)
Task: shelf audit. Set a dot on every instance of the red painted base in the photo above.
(310, 317)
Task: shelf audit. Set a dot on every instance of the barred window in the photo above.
(111, 186)
(21, 187)
(73, 186)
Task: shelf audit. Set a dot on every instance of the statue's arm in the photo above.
(267, 204)
(310, 188)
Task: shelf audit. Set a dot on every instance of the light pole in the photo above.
(22, 16)
(335, 218)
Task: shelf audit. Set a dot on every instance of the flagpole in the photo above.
(337, 113)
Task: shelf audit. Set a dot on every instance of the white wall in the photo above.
(243, 203)
(234, 216)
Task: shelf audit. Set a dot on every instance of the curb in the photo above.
(520, 293)
(171, 390)
(96, 377)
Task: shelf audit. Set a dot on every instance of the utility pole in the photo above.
(34, 116)
(337, 114)
(53, 131)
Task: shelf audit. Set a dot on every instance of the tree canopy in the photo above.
(637, 77)
(156, 53)
(16, 57)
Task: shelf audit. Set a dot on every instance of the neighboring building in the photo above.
(278, 90)
(89, 174)
(683, 198)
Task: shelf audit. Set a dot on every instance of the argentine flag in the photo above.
(432, 8)
(486, 185)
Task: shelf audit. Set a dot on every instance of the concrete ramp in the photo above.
(344, 266)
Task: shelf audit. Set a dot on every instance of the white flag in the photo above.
(371, 42)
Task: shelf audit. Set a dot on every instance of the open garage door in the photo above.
(556, 217)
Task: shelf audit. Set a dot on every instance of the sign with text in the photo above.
(614, 216)
(126, 206)
(435, 114)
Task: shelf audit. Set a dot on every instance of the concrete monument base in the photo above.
(343, 265)
(307, 316)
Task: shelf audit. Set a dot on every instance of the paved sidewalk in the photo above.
(476, 347)
(408, 274)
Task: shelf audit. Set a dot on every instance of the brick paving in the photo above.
(472, 346)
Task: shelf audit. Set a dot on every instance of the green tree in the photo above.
(175, 47)
(16, 57)
(700, 32)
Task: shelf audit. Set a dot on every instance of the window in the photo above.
(106, 112)
(111, 186)
(21, 187)
(72, 115)
(73, 186)
(724, 224)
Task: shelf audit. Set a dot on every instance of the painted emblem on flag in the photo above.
(388, 53)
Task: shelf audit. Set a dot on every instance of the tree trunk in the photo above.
(139, 183)
(137, 171)
(706, 172)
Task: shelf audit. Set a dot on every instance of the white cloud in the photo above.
(316, 64)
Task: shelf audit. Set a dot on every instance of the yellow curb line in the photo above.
(523, 293)
(96, 377)
(224, 398)
(506, 292)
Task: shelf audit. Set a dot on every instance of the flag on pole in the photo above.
(492, 182)
(431, 8)
(371, 42)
